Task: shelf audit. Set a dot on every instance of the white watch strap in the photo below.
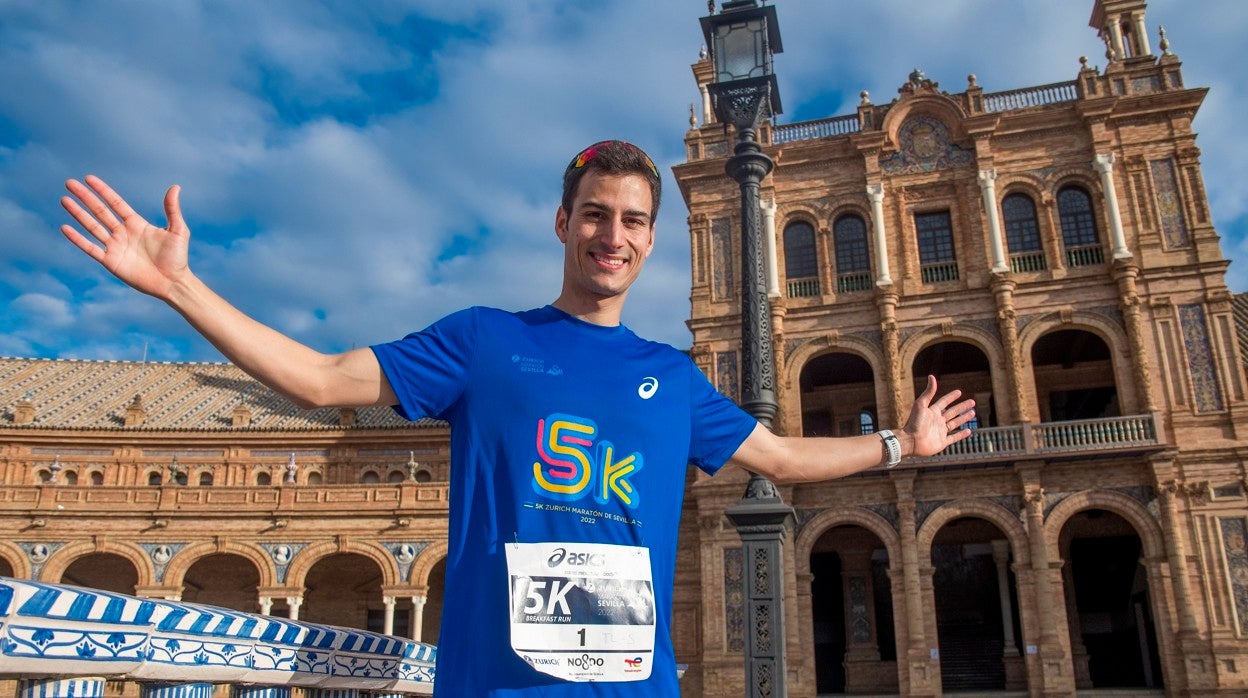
(893, 446)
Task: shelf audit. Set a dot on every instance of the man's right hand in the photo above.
(147, 258)
(154, 261)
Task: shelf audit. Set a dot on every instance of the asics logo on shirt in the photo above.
(571, 464)
(649, 386)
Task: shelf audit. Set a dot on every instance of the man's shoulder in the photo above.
(481, 314)
(654, 346)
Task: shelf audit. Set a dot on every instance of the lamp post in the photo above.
(743, 37)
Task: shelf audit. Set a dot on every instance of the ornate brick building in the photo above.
(193, 482)
(1049, 250)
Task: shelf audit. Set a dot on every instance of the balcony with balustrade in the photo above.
(939, 272)
(803, 288)
(1109, 436)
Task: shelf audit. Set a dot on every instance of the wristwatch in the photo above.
(892, 445)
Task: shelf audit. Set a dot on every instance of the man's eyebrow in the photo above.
(599, 206)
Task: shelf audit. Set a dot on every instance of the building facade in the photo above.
(1050, 251)
(193, 482)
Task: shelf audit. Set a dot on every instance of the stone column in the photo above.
(768, 209)
(1196, 663)
(1115, 39)
(861, 645)
(1104, 164)
(387, 625)
(886, 300)
(1074, 625)
(418, 618)
(1141, 33)
(876, 192)
(1054, 677)
(988, 189)
(266, 605)
(294, 602)
(1001, 556)
(1129, 302)
(1040, 565)
(1018, 407)
(923, 675)
(708, 113)
(1174, 532)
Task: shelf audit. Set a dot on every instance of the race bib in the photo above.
(582, 611)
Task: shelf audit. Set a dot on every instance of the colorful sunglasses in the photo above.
(586, 156)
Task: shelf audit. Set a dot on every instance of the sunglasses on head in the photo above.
(587, 156)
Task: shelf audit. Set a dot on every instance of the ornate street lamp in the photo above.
(743, 37)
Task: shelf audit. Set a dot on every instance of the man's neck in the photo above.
(604, 312)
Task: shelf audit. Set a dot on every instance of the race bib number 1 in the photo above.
(582, 611)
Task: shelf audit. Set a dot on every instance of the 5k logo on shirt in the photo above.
(571, 464)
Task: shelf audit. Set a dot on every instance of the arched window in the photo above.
(71, 478)
(370, 478)
(866, 422)
(264, 479)
(801, 262)
(423, 476)
(153, 479)
(396, 476)
(1078, 221)
(205, 479)
(45, 476)
(314, 478)
(97, 478)
(1022, 233)
(853, 261)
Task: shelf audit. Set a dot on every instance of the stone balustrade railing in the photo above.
(65, 642)
(847, 124)
(819, 128)
(1025, 97)
(1100, 436)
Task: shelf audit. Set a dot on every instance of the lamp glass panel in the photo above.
(741, 50)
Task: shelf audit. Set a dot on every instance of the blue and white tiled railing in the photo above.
(52, 634)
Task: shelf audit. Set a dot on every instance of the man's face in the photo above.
(607, 235)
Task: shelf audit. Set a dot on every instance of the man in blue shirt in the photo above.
(570, 436)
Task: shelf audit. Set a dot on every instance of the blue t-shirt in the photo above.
(562, 432)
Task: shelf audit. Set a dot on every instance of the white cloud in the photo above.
(332, 229)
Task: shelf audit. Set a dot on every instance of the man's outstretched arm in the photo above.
(931, 427)
(154, 261)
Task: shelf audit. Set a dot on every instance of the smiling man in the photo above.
(570, 436)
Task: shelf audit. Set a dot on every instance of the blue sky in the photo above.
(352, 171)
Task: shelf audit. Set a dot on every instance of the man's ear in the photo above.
(561, 224)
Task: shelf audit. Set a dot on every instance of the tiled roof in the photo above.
(1239, 307)
(73, 394)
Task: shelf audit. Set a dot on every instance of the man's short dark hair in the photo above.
(612, 158)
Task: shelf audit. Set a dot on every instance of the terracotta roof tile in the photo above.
(76, 394)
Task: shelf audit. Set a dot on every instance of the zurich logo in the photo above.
(649, 386)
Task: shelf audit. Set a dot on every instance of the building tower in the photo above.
(1049, 250)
